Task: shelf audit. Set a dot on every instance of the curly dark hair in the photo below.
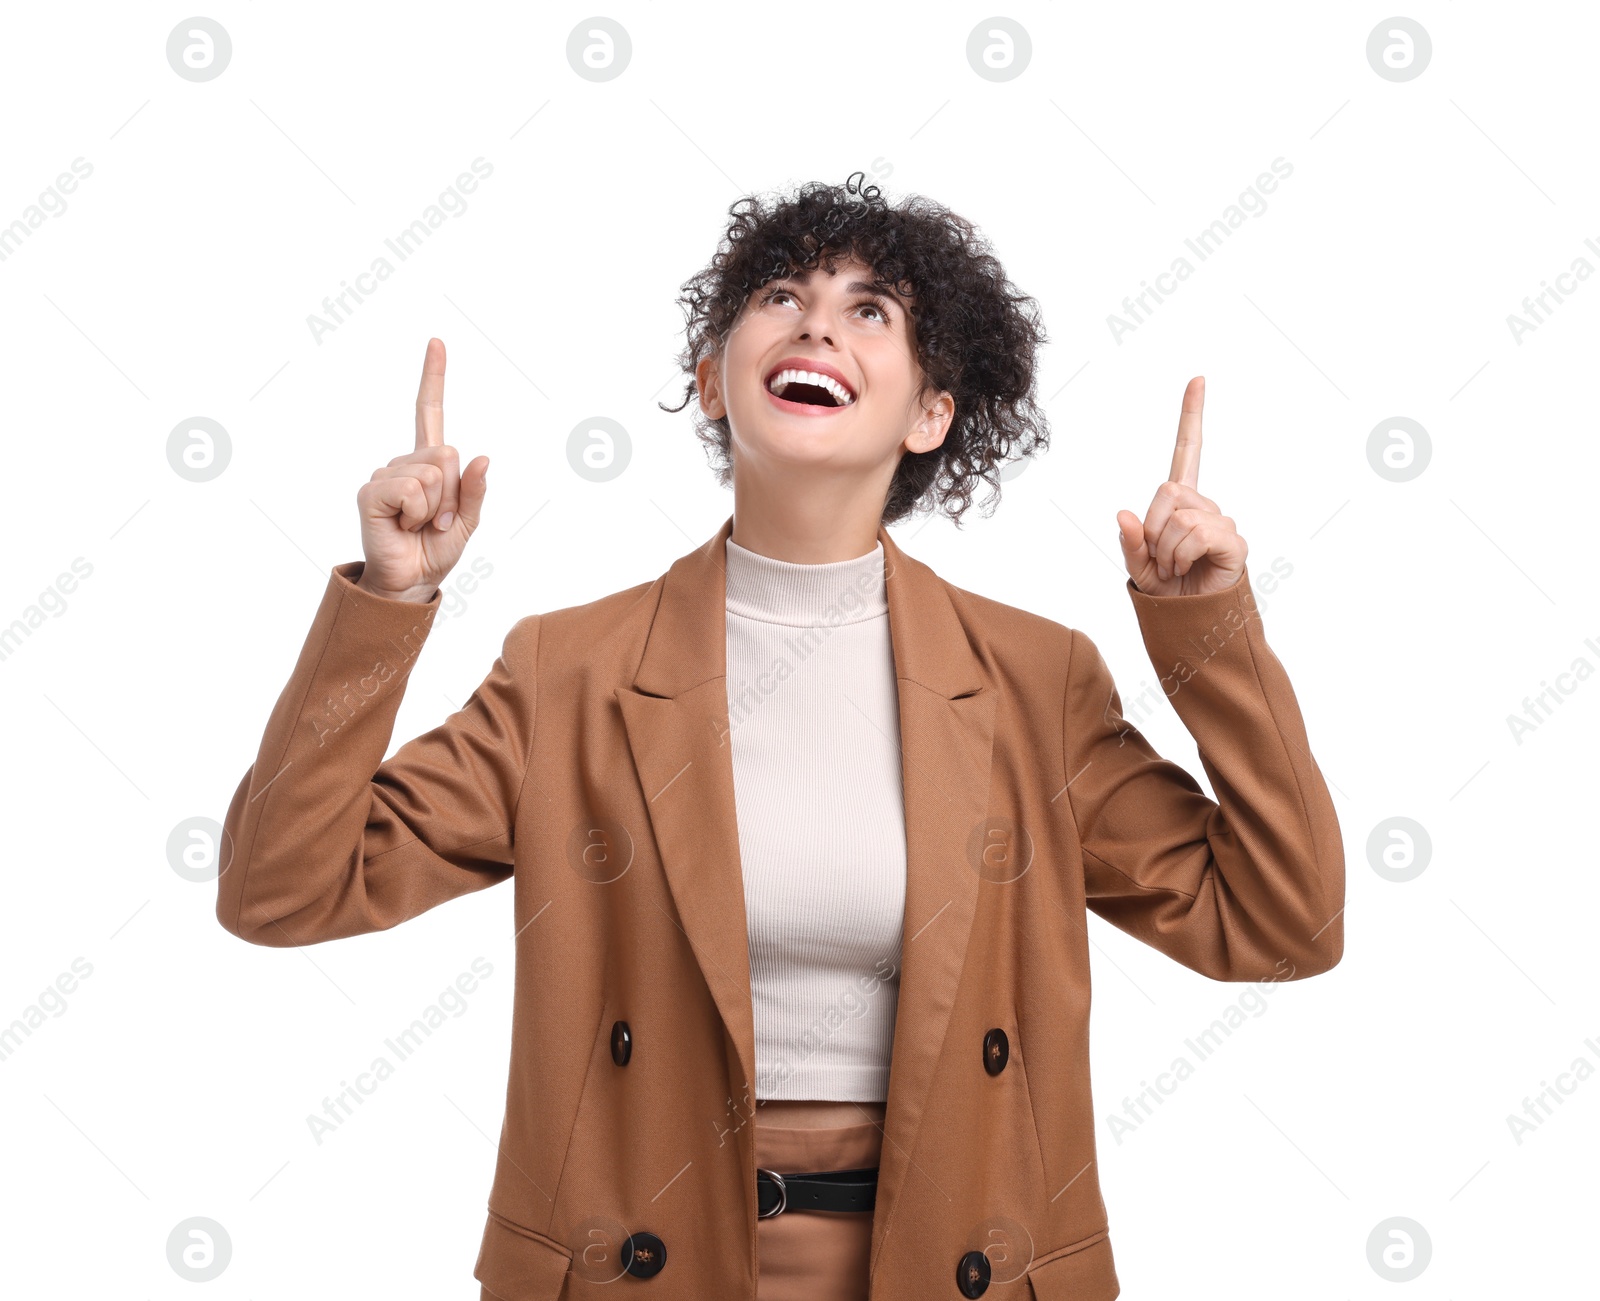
(975, 335)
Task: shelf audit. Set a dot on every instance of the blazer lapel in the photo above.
(947, 721)
(676, 715)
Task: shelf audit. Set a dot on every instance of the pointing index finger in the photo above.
(1186, 455)
(430, 398)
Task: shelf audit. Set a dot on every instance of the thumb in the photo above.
(1130, 532)
(474, 486)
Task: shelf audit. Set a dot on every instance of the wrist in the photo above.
(419, 595)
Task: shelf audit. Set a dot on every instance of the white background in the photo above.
(1417, 617)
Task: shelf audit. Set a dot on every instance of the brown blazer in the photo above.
(590, 768)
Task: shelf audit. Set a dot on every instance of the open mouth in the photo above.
(809, 388)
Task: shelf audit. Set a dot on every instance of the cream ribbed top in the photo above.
(815, 729)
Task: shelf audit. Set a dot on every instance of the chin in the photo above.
(781, 443)
(796, 448)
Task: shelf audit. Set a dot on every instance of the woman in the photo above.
(798, 825)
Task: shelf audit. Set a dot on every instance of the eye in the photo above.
(875, 304)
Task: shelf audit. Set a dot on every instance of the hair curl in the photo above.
(975, 335)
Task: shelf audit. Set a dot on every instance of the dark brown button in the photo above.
(621, 1043)
(972, 1274)
(996, 1048)
(643, 1254)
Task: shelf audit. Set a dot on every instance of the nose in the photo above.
(809, 324)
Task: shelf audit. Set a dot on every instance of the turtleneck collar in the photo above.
(805, 596)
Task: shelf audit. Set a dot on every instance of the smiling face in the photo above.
(820, 372)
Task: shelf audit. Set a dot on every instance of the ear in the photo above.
(934, 423)
(708, 378)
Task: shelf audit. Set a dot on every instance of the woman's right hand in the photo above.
(418, 511)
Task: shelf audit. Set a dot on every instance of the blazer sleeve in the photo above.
(323, 838)
(1249, 886)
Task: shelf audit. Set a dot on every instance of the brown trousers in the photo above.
(811, 1255)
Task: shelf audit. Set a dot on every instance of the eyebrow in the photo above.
(854, 287)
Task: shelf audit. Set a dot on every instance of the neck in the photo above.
(807, 519)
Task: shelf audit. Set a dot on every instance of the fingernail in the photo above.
(444, 520)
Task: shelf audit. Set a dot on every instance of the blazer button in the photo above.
(996, 1048)
(643, 1255)
(972, 1274)
(621, 1043)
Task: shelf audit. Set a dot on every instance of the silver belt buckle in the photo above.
(783, 1194)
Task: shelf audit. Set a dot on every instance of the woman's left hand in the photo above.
(1185, 546)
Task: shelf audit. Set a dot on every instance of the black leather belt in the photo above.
(830, 1190)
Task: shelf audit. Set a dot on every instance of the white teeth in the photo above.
(784, 378)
